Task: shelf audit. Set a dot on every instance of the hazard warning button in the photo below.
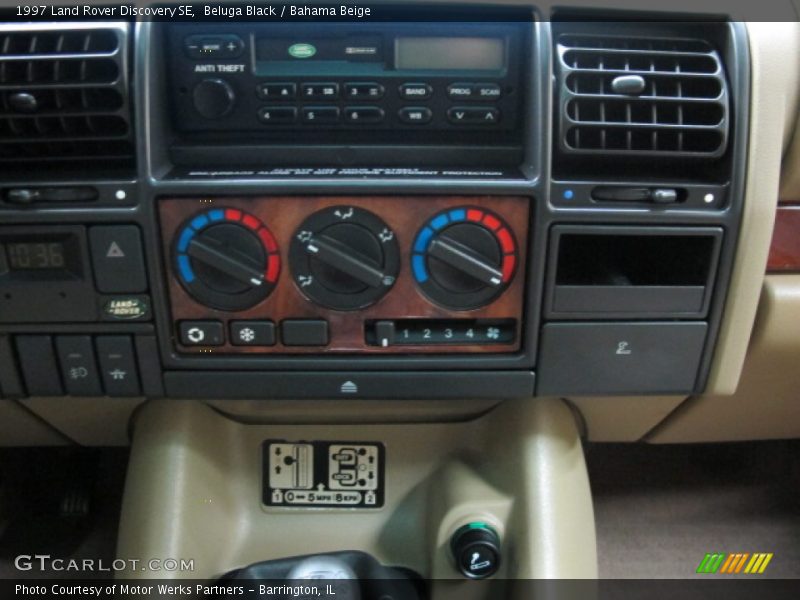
(118, 259)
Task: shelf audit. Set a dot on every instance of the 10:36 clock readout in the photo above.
(23, 256)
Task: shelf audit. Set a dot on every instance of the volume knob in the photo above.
(213, 98)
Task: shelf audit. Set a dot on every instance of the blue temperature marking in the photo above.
(186, 237)
(422, 240)
(420, 271)
(458, 214)
(186, 268)
(439, 221)
(200, 221)
(216, 215)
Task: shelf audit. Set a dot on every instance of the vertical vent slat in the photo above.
(678, 103)
(64, 94)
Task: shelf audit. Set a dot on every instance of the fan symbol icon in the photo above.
(247, 335)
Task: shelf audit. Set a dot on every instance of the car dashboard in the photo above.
(495, 230)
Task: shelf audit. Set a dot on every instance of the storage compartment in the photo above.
(632, 272)
(620, 358)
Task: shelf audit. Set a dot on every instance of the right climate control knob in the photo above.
(464, 258)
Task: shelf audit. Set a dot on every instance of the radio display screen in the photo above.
(450, 53)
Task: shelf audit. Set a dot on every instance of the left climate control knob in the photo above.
(227, 259)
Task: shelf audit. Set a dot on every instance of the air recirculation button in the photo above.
(344, 258)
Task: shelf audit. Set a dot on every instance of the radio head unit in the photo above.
(442, 83)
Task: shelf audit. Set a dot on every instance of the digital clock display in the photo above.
(40, 255)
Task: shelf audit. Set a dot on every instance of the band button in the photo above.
(415, 91)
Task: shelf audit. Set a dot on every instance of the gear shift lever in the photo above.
(336, 573)
(352, 575)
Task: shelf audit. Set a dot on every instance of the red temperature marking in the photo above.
(251, 222)
(268, 239)
(491, 222)
(232, 214)
(474, 215)
(273, 268)
(506, 242)
(509, 261)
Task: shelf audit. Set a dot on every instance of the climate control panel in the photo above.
(389, 274)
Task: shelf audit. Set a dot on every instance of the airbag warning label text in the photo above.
(323, 474)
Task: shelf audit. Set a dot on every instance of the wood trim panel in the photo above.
(784, 252)
(404, 215)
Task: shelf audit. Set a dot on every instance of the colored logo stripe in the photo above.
(711, 563)
(732, 564)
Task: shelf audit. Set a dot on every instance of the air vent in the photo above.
(654, 96)
(64, 94)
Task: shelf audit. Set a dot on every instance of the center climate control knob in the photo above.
(344, 258)
(227, 259)
(464, 258)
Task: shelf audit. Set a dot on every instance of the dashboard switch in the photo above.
(201, 333)
(304, 332)
(476, 550)
(78, 365)
(384, 333)
(118, 365)
(118, 259)
(38, 364)
(253, 333)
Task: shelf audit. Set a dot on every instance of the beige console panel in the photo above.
(194, 491)
(767, 403)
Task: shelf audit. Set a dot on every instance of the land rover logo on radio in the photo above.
(302, 50)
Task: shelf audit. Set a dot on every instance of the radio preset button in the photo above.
(487, 91)
(223, 46)
(415, 91)
(461, 91)
(473, 115)
(321, 115)
(277, 115)
(363, 114)
(317, 91)
(363, 91)
(277, 91)
(415, 115)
